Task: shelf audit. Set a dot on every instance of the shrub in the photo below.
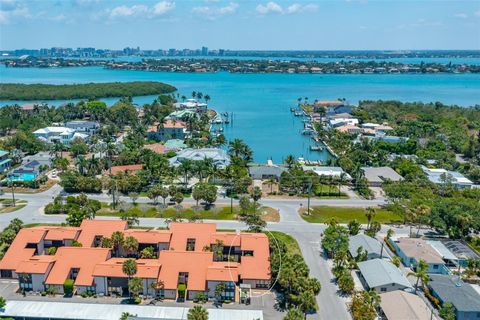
(181, 290)
(68, 287)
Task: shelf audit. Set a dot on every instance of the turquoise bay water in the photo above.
(261, 102)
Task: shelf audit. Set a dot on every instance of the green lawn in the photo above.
(221, 213)
(322, 214)
(291, 243)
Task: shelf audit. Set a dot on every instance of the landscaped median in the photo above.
(322, 214)
(6, 205)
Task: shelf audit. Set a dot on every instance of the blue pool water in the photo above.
(24, 177)
(261, 102)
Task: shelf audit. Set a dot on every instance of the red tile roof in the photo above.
(130, 168)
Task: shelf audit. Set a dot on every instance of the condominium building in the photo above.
(193, 255)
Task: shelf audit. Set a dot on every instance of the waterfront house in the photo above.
(180, 260)
(171, 129)
(326, 171)
(368, 244)
(442, 176)
(376, 176)
(264, 172)
(63, 135)
(464, 298)
(5, 161)
(412, 250)
(219, 157)
(181, 115)
(87, 127)
(192, 105)
(332, 107)
(382, 276)
(158, 148)
(337, 122)
(349, 129)
(401, 305)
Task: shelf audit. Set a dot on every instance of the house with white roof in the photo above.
(191, 104)
(63, 135)
(442, 176)
(219, 157)
(336, 172)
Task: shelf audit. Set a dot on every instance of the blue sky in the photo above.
(247, 24)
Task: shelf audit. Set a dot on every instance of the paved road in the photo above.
(307, 235)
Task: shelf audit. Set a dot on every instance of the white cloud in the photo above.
(140, 10)
(273, 7)
(11, 10)
(461, 15)
(215, 12)
(297, 8)
(163, 7)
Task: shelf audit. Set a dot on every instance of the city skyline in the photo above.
(241, 25)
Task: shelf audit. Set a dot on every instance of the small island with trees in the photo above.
(91, 91)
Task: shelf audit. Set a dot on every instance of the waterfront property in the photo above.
(193, 256)
(412, 250)
(219, 157)
(265, 172)
(465, 299)
(183, 115)
(5, 161)
(170, 129)
(63, 135)
(442, 176)
(376, 176)
(331, 108)
(192, 105)
(366, 243)
(382, 275)
(401, 305)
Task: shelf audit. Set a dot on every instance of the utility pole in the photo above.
(309, 191)
(13, 191)
(381, 250)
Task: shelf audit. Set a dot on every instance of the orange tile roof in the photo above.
(201, 232)
(193, 262)
(223, 271)
(230, 239)
(38, 264)
(62, 233)
(258, 265)
(85, 259)
(104, 228)
(130, 167)
(149, 236)
(174, 124)
(18, 251)
(157, 148)
(146, 268)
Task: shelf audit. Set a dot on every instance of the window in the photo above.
(262, 284)
(190, 244)
(25, 281)
(383, 289)
(435, 266)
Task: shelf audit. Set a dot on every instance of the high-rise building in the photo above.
(204, 51)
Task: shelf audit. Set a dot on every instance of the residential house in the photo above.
(175, 144)
(181, 115)
(63, 135)
(32, 167)
(265, 172)
(382, 276)
(192, 105)
(349, 129)
(368, 244)
(87, 127)
(158, 148)
(171, 129)
(401, 305)
(412, 250)
(130, 168)
(454, 252)
(332, 107)
(180, 257)
(464, 298)
(219, 157)
(326, 171)
(442, 176)
(337, 122)
(376, 176)
(5, 161)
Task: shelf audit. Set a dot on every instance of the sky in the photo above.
(241, 24)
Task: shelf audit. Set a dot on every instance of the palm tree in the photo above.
(271, 182)
(157, 285)
(256, 194)
(289, 161)
(207, 98)
(117, 241)
(130, 244)
(197, 313)
(129, 267)
(293, 314)
(307, 302)
(194, 94)
(82, 164)
(369, 213)
(421, 273)
(421, 214)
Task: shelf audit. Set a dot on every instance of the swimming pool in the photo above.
(22, 177)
